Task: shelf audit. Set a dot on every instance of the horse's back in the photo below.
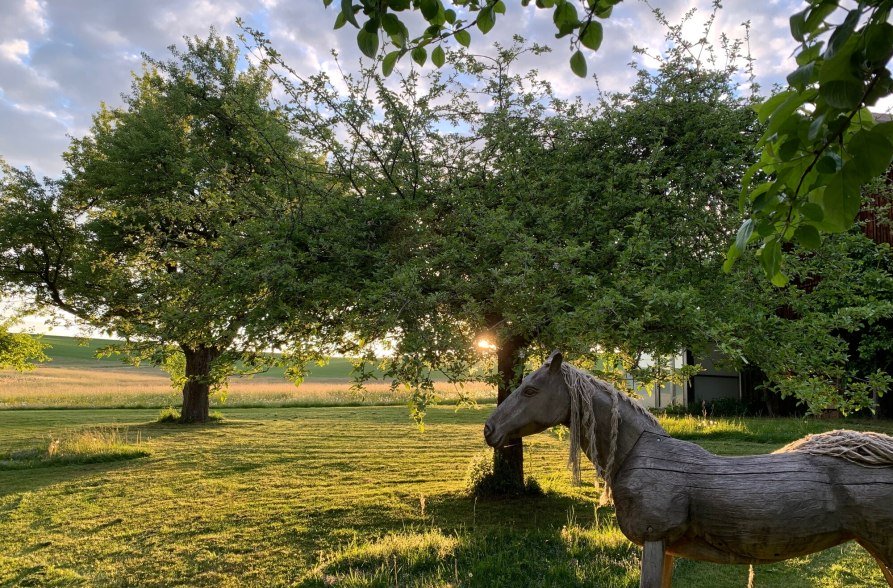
(754, 508)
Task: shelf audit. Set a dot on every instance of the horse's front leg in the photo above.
(657, 566)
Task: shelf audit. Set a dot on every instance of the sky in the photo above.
(59, 59)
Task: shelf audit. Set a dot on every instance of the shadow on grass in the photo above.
(30, 480)
(554, 540)
(460, 541)
(35, 459)
(12, 574)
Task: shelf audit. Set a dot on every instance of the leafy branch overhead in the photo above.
(820, 144)
(577, 21)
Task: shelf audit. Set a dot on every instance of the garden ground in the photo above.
(343, 496)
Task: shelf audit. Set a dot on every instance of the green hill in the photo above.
(72, 352)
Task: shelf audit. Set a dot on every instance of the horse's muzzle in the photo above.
(489, 431)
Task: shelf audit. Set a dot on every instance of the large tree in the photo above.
(820, 142)
(160, 230)
(495, 211)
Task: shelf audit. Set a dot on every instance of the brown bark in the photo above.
(197, 389)
(508, 461)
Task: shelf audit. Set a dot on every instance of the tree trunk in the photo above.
(197, 389)
(508, 461)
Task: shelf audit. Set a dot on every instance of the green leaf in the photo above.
(429, 8)
(829, 163)
(779, 279)
(450, 16)
(883, 87)
(842, 94)
(732, 256)
(885, 129)
(463, 37)
(770, 257)
(789, 149)
(812, 211)
(395, 29)
(817, 16)
(765, 110)
(438, 57)
(347, 11)
(879, 42)
(578, 64)
(871, 152)
(390, 60)
(499, 7)
(765, 228)
(782, 114)
(802, 76)
(591, 37)
(368, 42)
(390, 23)
(744, 233)
(809, 54)
(340, 21)
(841, 199)
(486, 20)
(808, 236)
(419, 55)
(798, 25)
(816, 128)
(842, 33)
(565, 16)
(438, 19)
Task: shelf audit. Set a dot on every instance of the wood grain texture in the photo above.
(667, 574)
(653, 565)
(755, 509)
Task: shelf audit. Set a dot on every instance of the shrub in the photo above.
(482, 481)
(169, 415)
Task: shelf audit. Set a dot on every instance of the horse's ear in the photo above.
(555, 361)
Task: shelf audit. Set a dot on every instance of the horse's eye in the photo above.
(530, 391)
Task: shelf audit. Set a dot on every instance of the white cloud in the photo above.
(14, 50)
(60, 59)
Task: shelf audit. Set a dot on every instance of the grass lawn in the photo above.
(335, 496)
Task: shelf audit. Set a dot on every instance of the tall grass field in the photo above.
(75, 378)
(335, 495)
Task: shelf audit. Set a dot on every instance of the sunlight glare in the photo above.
(485, 344)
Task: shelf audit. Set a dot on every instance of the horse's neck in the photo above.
(631, 425)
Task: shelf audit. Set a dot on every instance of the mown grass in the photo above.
(346, 496)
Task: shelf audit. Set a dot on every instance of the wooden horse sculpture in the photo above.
(677, 499)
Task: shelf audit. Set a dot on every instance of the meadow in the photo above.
(75, 378)
(316, 496)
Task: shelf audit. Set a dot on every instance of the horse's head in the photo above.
(539, 402)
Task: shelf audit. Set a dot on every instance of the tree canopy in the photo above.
(497, 214)
(820, 142)
(156, 230)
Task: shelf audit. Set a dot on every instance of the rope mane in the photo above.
(871, 450)
(582, 388)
